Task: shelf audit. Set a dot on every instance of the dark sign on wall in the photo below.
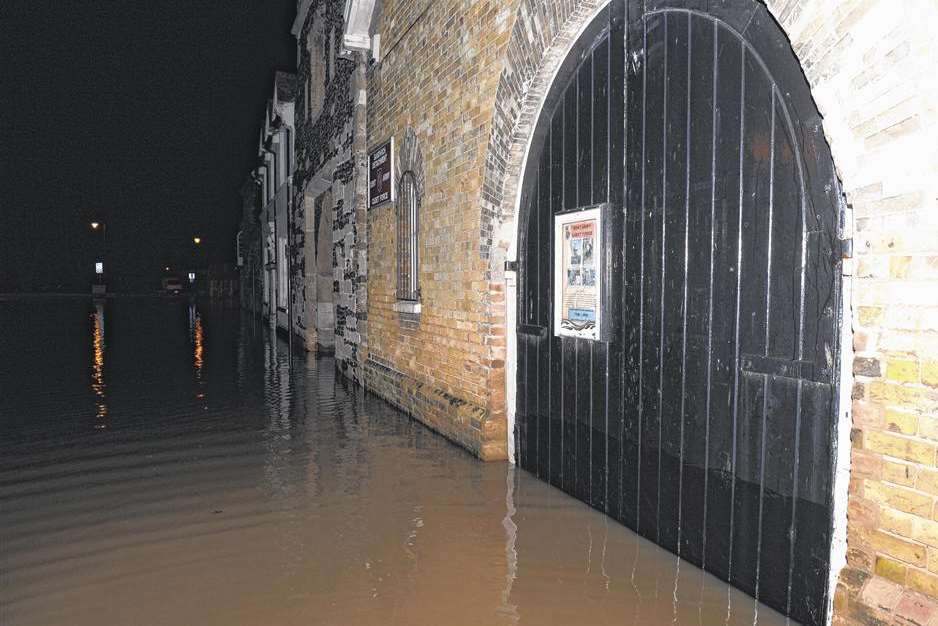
(381, 174)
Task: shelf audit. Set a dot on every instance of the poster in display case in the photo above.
(578, 239)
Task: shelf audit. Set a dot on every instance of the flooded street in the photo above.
(162, 463)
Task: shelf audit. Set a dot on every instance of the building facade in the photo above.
(765, 176)
(249, 251)
(266, 235)
(329, 294)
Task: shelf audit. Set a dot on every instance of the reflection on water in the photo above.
(97, 364)
(197, 336)
(511, 554)
(195, 324)
(229, 488)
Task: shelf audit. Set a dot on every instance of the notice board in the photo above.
(381, 174)
(578, 276)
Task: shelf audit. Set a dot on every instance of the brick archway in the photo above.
(860, 59)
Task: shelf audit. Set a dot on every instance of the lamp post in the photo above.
(98, 288)
(196, 261)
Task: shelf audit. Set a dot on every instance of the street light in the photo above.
(98, 288)
(196, 240)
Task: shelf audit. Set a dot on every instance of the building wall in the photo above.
(472, 102)
(250, 271)
(278, 209)
(468, 77)
(325, 181)
(871, 67)
(438, 76)
(871, 64)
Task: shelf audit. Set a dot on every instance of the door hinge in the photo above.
(846, 248)
(846, 229)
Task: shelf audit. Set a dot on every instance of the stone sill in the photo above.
(407, 306)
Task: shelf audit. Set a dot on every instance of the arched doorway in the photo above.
(704, 416)
(324, 320)
(318, 293)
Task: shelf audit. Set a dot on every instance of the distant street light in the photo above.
(198, 257)
(99, 264)
(102, 227)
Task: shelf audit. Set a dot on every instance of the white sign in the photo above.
(578, 277)
(99, 268)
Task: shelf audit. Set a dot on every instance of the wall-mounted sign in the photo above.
(578, 279)
(381, 174)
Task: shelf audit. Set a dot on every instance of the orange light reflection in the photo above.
(199, 346)
(98, 385)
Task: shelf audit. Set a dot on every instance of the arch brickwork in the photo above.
(870, 65)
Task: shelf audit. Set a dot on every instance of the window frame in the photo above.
(408, 239)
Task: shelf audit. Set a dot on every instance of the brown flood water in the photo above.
(161, 463)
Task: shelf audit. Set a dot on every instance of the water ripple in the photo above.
(166, 463)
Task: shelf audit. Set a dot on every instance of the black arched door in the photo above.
(706, 420)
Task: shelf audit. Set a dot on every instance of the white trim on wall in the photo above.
(357, 25)
(843, 444)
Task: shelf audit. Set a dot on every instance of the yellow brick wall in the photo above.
(438, 75)
(871, 65)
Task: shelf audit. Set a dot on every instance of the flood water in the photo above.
(162, 463)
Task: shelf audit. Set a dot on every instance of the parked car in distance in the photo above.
(172, 286)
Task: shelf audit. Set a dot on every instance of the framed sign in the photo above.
(578, 274)
(381, 174)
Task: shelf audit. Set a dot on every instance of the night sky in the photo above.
(141, 114)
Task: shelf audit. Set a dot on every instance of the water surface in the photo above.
(161, 462)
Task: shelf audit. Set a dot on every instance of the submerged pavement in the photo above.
(161, 462)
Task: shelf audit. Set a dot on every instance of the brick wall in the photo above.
(871, 64)
(438, 75)
(458, 74)
(469, 77)
(541, 37)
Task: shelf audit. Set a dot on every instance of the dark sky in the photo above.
(141, 113)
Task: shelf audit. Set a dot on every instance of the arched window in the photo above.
(408, 287)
